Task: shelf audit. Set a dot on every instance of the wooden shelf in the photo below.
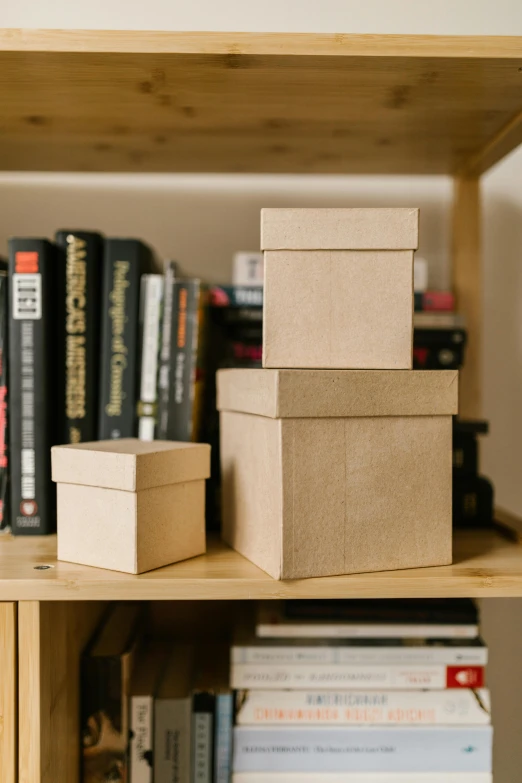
(486, 564)
(241, 102)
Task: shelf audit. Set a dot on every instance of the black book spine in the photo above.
(123, 263)
(81, 255)
(31, 372)
(203, 717)
(5, 519)
(179, 360)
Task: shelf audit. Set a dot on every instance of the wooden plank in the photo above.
(223, 102)
(508, 138)
(151, 42)
(51, 638)
(8, 691)
(486, 564)
(467, 284)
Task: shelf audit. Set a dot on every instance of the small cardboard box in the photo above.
(338, 288)
(336, 472)
(130, 505)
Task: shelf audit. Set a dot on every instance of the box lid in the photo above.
(340, 229)
(298, 394)
(130, 464)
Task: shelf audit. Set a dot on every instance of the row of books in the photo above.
(330, 691)
(101, 346)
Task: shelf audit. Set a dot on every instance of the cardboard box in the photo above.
(337, 472)
(130, 505)
(338, 288)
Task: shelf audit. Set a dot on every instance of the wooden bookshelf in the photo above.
(85, 101)
(243, 102)
(486, 564)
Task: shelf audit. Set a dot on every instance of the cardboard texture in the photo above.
(319, 496)
(339, 309)
(131, 506)
(338, 393)
(340, 229)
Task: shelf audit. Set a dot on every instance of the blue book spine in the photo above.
(361, 749)
(223, 739)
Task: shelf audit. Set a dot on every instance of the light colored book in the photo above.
(329, 708)
(146, 674)
(151, 298)
(363, 749)
(272, 623)
(247, 269)
(173, 720)
(373, 676)
(456, 652)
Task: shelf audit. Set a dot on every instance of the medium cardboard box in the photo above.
(335, 472)
(338, 288)
(130, 505)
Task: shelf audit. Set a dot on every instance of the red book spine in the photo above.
(439, 301)
(465, 677)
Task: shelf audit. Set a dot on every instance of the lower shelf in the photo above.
(486, 564)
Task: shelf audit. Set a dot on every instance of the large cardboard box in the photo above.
(336, 472)
(130, 505)
(338, 288)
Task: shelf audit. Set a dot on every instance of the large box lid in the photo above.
(340, 229)
(297, 394)
(130, 464)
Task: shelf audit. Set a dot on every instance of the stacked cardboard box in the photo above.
(336, 457)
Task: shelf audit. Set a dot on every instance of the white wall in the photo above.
(202, 220)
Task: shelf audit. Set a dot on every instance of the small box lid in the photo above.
(340, 229)
(300, 394)
(130, 464)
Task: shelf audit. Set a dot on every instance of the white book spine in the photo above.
(370, 631)
(329, 708)
(248, 269)
(152, 295)
(141, 739)
(363, 749)
(362, 777)
(322, 654)
(270, 677)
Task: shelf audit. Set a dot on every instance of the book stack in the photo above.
(362, 692)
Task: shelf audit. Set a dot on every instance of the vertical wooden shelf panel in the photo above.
(8, 675)
(467, 284)
(50, 641)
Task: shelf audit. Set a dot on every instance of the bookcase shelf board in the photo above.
(486, 564)
(244, 102)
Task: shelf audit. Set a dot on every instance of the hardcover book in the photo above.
(364, 707)
(173, 720)
(151, 298)
(32, 371)
(5, 519)
(147, 672)
(80, 254)
(123, 264)
(181, 371)
(362, 749)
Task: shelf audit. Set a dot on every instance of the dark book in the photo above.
(81, 256)
(438, 349)
(33, 271)
(465, 454)
(106, 672)
(124, 261)
(182, 371)
(5, 520)
(429, 611)
(211, 680)
(473, 502)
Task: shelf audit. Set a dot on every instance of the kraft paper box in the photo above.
(338, 289)
(130, 505)
(335, 472)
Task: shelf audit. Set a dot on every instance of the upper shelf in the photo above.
(485, 565)
(241, 102)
